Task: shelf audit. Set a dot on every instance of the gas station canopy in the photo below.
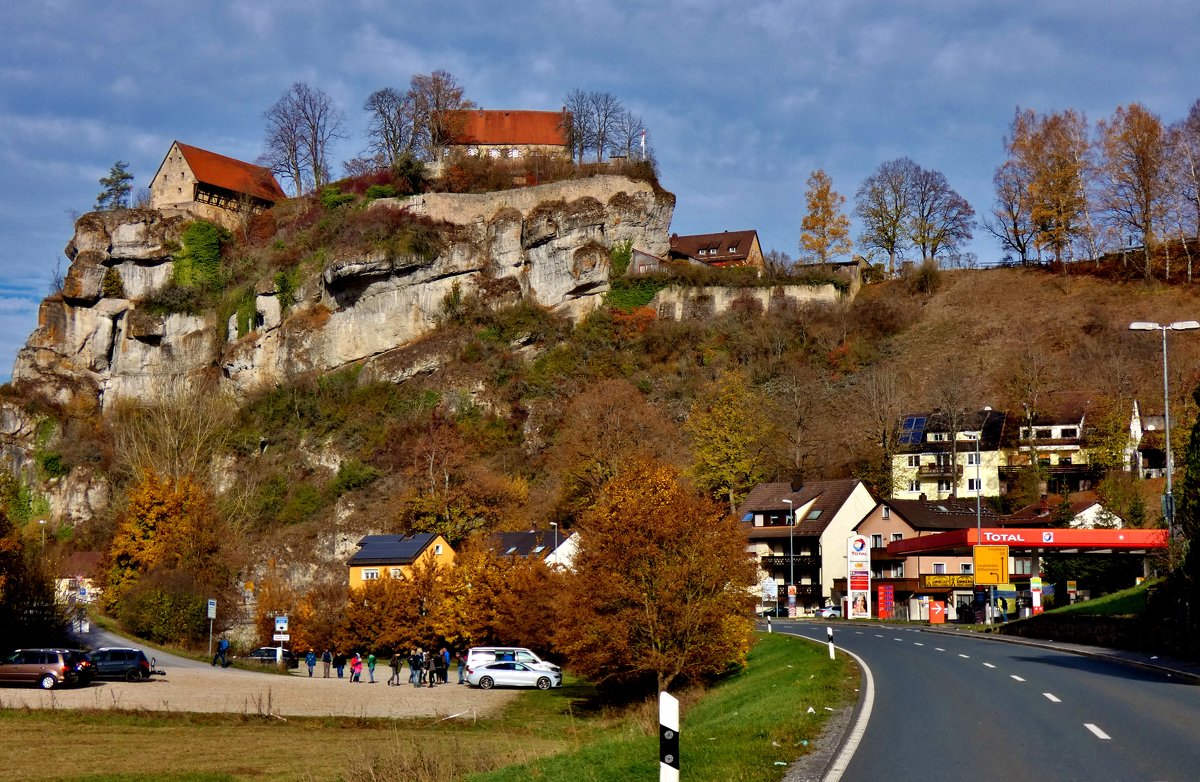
(1061, 541)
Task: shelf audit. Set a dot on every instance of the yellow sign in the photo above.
(947, 581)
(991, 565)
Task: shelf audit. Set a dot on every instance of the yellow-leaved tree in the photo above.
(731, 434)
(825, 227)
(660, 592)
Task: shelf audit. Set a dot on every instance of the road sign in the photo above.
(937, 612)
(212, 609)
(991, 565)
(281, 637)
(281, 624)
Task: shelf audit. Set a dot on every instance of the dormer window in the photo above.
(1070, 432)
(732, 248)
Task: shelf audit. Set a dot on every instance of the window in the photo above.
(973, 484)
(965, 567)
(395, 572)
(1064, 460)
(914, 460)
(972, 457)
(877, 541)
(1070, 431)
(539, 549)
(914, 485)
(370, 574)
(939, 568)
(943, 484)
(938, 437)
(733, 248)
(1022, 566)
(943, 460)
(437, 550)
(886, 512)
(813, 515)
(897, 536)
(1044, 461)
(1043, 434)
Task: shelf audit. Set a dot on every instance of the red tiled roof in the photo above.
(225, 172)
(507, 127)
(727, 247)
(826, 496)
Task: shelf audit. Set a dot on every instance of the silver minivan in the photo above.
(478, 655)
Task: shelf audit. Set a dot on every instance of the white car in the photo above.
(478, 655)
(829, 612)
(511, 674)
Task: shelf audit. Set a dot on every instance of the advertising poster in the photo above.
(858, 577)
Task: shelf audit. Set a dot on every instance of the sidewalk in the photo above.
(1188, 672)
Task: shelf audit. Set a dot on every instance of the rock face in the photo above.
(548, 245)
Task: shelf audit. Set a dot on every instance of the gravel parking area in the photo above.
(194, 686)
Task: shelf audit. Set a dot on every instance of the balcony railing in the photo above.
(941, 470)
(798, 560)
(802, 591)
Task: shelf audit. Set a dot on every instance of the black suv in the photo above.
(121, 663)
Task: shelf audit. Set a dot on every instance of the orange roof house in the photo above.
(211, 186)
(510, 134)
(728, 248)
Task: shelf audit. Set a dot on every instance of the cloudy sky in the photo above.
(742, 100)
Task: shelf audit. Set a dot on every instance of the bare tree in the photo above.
(883, 204)
(300, 127)
(627, 132)
(1011, 221)
(606, 111)
(391, 124)
(940, 219)
(954, 393)
(1184, 161)
(577, 124)
(437, 102)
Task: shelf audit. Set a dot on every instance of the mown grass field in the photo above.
(738, 730)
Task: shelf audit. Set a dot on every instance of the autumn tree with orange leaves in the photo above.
(661, 589)
(826, 228)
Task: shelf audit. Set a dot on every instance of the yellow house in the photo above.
(394, 556)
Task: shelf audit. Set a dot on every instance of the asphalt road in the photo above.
(963, 709)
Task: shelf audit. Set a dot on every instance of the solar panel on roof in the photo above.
(912, 428)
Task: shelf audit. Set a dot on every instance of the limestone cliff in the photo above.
(548, 245)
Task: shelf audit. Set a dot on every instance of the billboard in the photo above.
(858, 577)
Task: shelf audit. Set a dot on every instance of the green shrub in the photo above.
(175, 298)
(629, 294)
(164, 609)
(287, 282)
(332, 197)
(52, 464)
(198, 264)
(351, 475)
(619, 258)
(247, 312)
(380, 191)
(305, 500)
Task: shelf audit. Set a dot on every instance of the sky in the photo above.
(741, 100)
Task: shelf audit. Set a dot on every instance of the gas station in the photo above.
(1024, 543)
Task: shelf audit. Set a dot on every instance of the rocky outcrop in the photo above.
(548, 245)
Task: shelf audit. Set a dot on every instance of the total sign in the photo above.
(858, 577)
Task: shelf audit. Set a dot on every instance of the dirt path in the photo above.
(192, 686)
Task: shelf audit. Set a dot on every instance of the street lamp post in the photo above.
(1181, 325)
(791, 555)
(554, 553)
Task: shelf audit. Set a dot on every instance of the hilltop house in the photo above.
(798, 534)
(1054, 440)
(395, 556)
(507, 134)
(726, 249)
(556, 549)
(211, 186)
(940, 456)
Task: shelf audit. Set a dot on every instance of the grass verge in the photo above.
(738, 730)
(1127, 602)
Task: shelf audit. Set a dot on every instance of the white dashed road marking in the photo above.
(1050, 697)
(988, 665)
(1017, 678)
(917, 643)
(964, 656)
(939, 649)
(1099, 733)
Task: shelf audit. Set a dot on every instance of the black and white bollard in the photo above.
(829, 634)
(768, 623)
(668, 738)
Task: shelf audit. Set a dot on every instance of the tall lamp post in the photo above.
(791, 555)
(554, 553)
(1180, 325)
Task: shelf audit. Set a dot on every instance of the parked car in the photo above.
(112, 662)
(265, 655)
(47, 668)
(85, 666)
(485, 676)
(829, 612)
(478, 655)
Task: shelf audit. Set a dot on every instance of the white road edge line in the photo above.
(1099, 733)
(855, 736)
(1050, 697)
(1016, 678)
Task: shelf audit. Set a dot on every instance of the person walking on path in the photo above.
(222, 652)
(326, 661)
(339, 662)
(310, 660)
(356, 668)
(394, 664)
(444, 666)
(462, 666)
(414, 667)
(371, 668)
(431, 668)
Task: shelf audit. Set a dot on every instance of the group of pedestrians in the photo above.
(425, 668)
